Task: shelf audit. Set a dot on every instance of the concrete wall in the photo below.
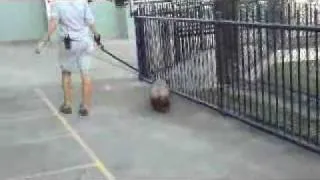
(130, 25)
(106, 19)
(22, 20)
(26, 20)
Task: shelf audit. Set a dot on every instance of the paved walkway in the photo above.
(123, 139)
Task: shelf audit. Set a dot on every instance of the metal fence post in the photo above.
(141, 48)
(226, 37)
(219, 59)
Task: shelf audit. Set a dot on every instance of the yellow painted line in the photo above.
(98, 163)
(55, 172)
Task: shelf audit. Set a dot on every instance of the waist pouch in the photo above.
(84, 45)
(67, 42)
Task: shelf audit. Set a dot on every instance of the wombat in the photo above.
(160, 96)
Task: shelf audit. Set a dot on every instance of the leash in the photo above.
(103, 49)
(148, 80)
(117, 58)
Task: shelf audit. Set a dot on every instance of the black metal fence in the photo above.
(261, 71)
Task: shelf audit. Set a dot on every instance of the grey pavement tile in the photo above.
(35, 158)
(72, 173)
(32, 130)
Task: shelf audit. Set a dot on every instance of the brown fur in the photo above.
(160, 97)
(160, 105)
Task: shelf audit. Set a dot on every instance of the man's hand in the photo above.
(96, 35)
(41, 44)
(39, 47)
(44, 41)
(97, 39)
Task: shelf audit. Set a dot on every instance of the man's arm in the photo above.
(96, 35)
(93, 28)
(89, 18)
(52, 27)
(53, 22)
(44, 41)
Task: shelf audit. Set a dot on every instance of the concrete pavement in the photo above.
(133, 142)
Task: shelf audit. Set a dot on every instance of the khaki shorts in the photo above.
(78, 58)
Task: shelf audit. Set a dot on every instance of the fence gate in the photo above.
(251, 65)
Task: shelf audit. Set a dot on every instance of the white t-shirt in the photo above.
(73, 18)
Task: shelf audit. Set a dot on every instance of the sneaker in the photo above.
(83, 111)
(65, 109)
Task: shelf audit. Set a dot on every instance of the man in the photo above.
(75, 20)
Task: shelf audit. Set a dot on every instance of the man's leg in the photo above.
(65, 61)
(67, 87)
(86, 85)
(66, 82)
(86, 91)
(84, 63)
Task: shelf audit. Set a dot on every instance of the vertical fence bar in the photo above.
(261, 65)
(299, 75)
(214, 52)
(243, 83)
(229, 70)
(181, 53)
(310, 14)
(141, 51)
(232, 69)
(255, 66)
(274, 35)
(235, 46)
(317, 80)
(268, 69)
(222, 72)
(290, 70)
(149, 11)
(202, 46)
(248, 45)
(237, 86)
(184, 50)
(283, 73)
(220, 65)
(196, 48)
(308, 71)
(295, 10)
(226, 66)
